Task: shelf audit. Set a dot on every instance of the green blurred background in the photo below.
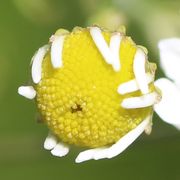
(25, 25)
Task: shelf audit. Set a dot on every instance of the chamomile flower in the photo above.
(168, 108)
(94, 88)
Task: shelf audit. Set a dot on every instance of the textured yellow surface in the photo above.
(79, 101)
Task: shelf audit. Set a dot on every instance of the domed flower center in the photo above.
(80, 101)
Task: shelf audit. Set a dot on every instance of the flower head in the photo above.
(94, 88)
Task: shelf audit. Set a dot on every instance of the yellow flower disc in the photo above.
(79, 101)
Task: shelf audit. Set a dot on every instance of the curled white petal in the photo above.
(87, 155)
(132, 85)
(60, 150)
(56, 51)
(27, 91)
(168, 107)
(115, 42)
(117, 148)
(101, 44)
(170, 58)
(37, 63)
(110, 53)
(128, 139)
(141, 101)
(139, 70)
(50, 142)
(148, 128)
(57, 148)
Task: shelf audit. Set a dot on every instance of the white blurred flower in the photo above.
(168, 108)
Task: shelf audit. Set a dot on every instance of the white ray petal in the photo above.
(132, 85)
(117, 148)
(139, 71)
(87, 155)
(148, 128)
(141, 101)
(101, 44)
(168, 107)
(170, 58)
(27, 91)
(56, 51)
(110, 52)
(115, 42)
(60, 150)
(50, 142)
(128, 139)
(37, 63)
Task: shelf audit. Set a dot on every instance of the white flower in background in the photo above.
(168, 108)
